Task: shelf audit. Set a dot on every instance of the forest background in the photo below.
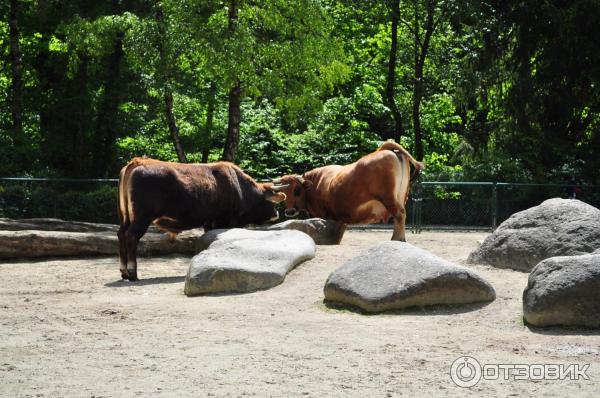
(481, 91)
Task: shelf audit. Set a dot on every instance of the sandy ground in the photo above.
(72, 328)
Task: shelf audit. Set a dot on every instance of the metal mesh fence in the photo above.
(432, 205)
(483, 205)
(92, 200)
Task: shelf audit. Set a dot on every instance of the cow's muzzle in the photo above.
(291, 212)
(275, 217)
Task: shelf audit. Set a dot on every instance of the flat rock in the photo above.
(564, 291)
(397, 275)
(557, 227)
(57, 224)
(323, 232)
(53, 224)
(241, 260)
(35, 243)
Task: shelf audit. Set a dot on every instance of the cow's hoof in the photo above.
(129, 275)
(132, 275)
(398, 239)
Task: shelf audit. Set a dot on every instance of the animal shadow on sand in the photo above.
(147, 281)
(172, 279)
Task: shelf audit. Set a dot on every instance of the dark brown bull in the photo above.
(177, 197)
(369, 190)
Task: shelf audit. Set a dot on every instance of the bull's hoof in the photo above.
(132, 275)
(129, 275)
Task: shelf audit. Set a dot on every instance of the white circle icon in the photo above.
(465, 372)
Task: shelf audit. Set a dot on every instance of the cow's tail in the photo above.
(390, 145)
(125, 211)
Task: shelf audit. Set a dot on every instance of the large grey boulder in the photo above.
(564, 291)
(241, 260)
(323, 232)
(557, 227)
(396, 275)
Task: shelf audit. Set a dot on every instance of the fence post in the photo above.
(494, 206)
(416, 198)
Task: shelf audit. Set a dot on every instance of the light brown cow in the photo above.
(369, 190)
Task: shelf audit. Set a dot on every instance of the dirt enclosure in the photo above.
(73, 328)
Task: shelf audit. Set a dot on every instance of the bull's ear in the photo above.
(275, 197)
(307, 184)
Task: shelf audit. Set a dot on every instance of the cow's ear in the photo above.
(307, 184)
(275, 197)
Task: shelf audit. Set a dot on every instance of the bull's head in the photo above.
(295, 188)
(262, 205)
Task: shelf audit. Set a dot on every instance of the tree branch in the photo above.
(410, 28)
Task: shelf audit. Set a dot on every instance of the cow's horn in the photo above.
(276, 180)
(278, 188)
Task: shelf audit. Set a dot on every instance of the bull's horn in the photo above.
(278, 188)
(276, 180)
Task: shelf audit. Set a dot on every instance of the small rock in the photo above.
(323, 232)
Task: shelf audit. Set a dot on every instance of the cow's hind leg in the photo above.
(136, 230)
(399, 226)
(123, 249)
(398, 211)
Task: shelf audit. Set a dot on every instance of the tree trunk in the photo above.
(16, 104)
(233, 123)
(416, 114)
(167, 91)
(173, 129)
(105, 132)
(235, 97)
(421, 50)
(391, 75)
(210, 113)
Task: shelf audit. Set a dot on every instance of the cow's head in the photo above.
(264, 210)
(295, 188)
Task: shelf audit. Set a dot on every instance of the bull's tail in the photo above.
(390, 145)
(125, 211)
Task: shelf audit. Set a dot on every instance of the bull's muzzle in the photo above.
(291, 212)
(275, 217)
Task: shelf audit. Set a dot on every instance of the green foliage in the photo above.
(335, 137)
(59, 200)
(511, 90)
(439, 168)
